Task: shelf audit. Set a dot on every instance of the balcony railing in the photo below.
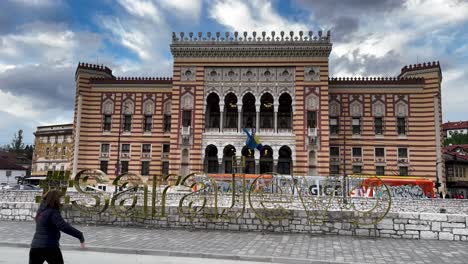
(146, 155)
(334, 159)
(104, 154)
(357, 159)
(185, 131)
(312, 132)
(379, 159)
(229, 130)
(267, 130)
(165, 155)
(125, 155)
(402, 160)
(212, 130)
(284, 130)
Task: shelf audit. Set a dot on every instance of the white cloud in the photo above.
(432, 13)
(255, 15)
(455, 93)
(142, 8)
(18, 106)
(183, 8)
(131, 38)
(50, 43)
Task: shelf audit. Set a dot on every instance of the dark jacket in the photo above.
(49, 223)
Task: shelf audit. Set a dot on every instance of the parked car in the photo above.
(5, 186)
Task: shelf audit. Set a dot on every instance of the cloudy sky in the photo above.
(41, 42)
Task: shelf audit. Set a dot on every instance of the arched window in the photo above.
(127, 111)
(248, 111)
(266, 160)
(211, 159)
(285, 160)
(285, 111)
(148, 111)
(228, 153)
(249, 160)
(266, 111)
(230, 110)
(212, 111)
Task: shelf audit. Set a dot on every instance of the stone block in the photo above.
(454, 225)
(433, 217)
(445, 236)
(418, 227)
(429, 235)
(362, 232)
(436, 226)
(406, 215)
(345, 232)
(412, 232)
(400, 221)
(456, 218)
(386, 231)
(460, 231)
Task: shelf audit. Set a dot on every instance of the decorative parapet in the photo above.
(94, 67)
(251, 45)
(419, 67)
(132, 80)
(374, 80)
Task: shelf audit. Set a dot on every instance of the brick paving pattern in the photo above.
(269, 246)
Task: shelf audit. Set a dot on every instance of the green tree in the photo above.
(28, 151)
(17, 144)
(456, 139)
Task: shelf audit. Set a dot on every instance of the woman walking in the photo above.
(45, 244)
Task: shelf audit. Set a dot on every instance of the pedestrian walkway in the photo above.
(269, 247)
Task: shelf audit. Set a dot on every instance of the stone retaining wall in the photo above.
(411, 225)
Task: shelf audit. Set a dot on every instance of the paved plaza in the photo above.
(163, 244)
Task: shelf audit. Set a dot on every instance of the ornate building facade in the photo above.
(53, 147)
(279, 84)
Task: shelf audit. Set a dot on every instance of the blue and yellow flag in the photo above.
(253, 142)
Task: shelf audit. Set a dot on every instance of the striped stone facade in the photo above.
(291, 69)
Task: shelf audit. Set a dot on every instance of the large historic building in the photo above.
(279, 84)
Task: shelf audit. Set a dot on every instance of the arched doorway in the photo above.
(248, 111)
(211, 159)
(228, 153)
(230, 110)
(285, 112)
(285, 160)
(249, 160)
(212, 111)
(266, 112)
(266, 160)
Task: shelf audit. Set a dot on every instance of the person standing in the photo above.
(45, 245)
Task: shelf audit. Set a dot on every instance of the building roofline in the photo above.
(132, 80)
(420, 66)
(68, 124)
(94, 67)
(374, 81)
(234, 45)
(250, 38)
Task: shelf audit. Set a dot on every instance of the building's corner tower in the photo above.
(432, 111)
(84, 72)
